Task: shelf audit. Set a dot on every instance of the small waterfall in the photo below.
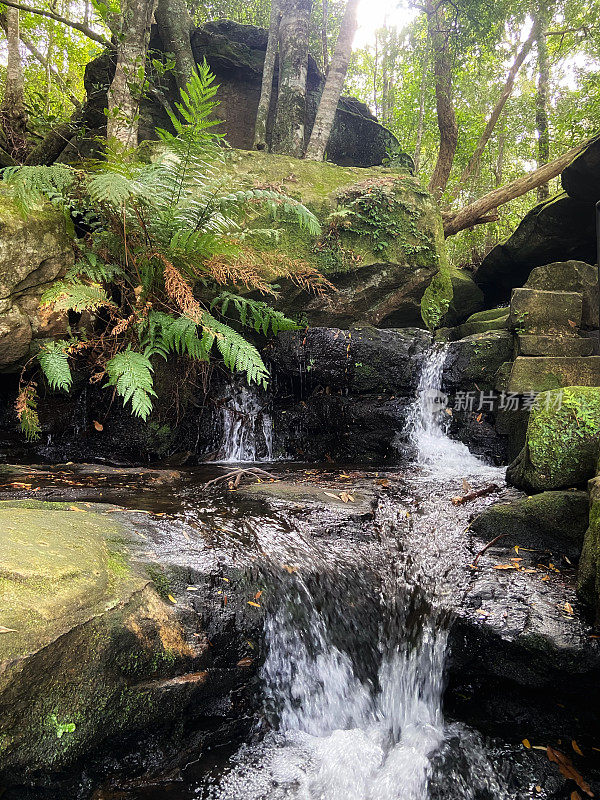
(247, 428)
(428, 423)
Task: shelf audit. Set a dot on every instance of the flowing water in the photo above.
(247, 428)
(354, 673)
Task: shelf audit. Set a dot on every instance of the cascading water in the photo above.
(247, 428)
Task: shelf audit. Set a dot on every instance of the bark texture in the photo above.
(475, 213)
(13, 115)
(288, 132)
(439, 36)
(421, 119)
(266, 89)
(333, 85)
(324, 42)
(175, 26)
(128, 83)
(473, 165)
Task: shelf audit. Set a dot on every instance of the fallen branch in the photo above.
(461, 499)
(236, 476)
(483, 549)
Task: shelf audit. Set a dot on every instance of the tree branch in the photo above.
(78, 26)
(470, 215)
(55, 74)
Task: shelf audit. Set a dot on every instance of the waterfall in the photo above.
(247, 428)
(428, 423)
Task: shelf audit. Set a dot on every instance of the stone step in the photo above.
(531, 374)
(535, 311)
(566, 346)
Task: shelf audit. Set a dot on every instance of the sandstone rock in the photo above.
(472, 362)
(570, 276)
(538, 312)
(588, 579)
(493, 319)
(562, 443)
(539, 374)
(565, 346)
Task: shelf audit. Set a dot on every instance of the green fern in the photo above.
(75, 297)
(54, 361)
(130, 373)
(93, 269)
(164, 334)
(238, 354)
(33, 185)
(254, 314)
(276, 202)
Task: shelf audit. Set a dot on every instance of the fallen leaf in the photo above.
(192, 589)
(98, 425)
(567, 769)
(568, 608)
(244, 662)
(479, 417)
(74, 508)
(171, 598)
(347, 497)
(7, 630)
(572, 323)
(526, 743)
(576, 747)
(506, 566)
(466, 485)
(258, 594)
(575, 795)
(289, 569)
(331, 494)
(256, 605)
(517, 549)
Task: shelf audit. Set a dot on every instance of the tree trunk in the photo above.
(266, 89)
(421, 120)
(446, 116)
(175, 26)
(294, 28)
(472, 214)
(324, 43)
(13, 116)
(127, 86)
(497, 110)
(542, 93)
(333, 85)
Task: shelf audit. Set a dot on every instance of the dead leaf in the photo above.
(7, 630)
(289, 569)
(576, 747)
(331, 494)
(98, 425)
(258, 594)
(75, 508)
(479, 417)
(346, 497)
(171, 598)
(568, 608)
(575, 795)
(572, 323)
(256, 605)
(244, 662)
(526, 743)
(567, 769)
(506, 566)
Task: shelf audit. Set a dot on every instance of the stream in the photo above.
(356, 638)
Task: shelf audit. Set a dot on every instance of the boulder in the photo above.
(361, 360)
(235, 54)
(536, 311)
(34, 250)
(529, 374)
(93, 652)
(563, 346)
(494, 319)
(472, 363)
(562, 442)
(581, 179)
(467, 298)
(588, 578)
(570, 276)
(559, 229)
(382, 239)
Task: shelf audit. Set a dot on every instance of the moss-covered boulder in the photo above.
(84, 639)
(562, 442)
(34, 251)
(381, 245)
(494, 319)
(588, 578)
(472, 363)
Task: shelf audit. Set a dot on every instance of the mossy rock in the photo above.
(562, 443)
(588, 577)
(380, 258)
(473, 362)
(493, 319)
(467, 297)
(86, 637)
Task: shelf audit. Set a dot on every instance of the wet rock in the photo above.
(570, 276)
(532, 374)
(467, 298)
(361, 360)
(343, 500)
(562, 443)
(472, 363)
(493, 319)
(588, 578)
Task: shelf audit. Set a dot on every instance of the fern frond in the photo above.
(33, 185)
(164, 334)
(75, 297)
(27, 414)
(94, 269)
(276, 202)
(54, 362)
(254, 314)
(130, 373)
(238, 354)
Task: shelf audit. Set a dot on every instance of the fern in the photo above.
(238, 354)
(33, 185)
(95, 270)
(75, 297)
(130, 373)
(254, 314)
(27, 414)
(54, 361)
(275, 202)
(164, 334)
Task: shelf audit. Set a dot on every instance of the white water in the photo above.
(428, 423)
(247, 428)
(340, 732)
